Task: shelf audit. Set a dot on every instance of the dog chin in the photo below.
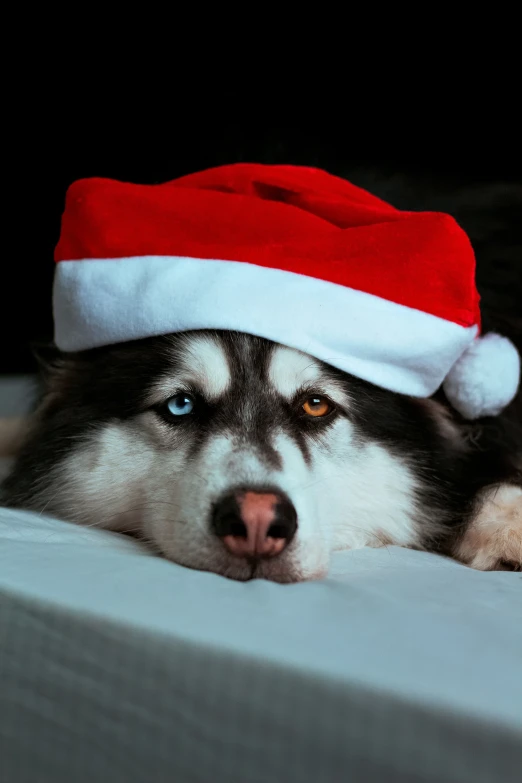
(282, 570)
(286, 573)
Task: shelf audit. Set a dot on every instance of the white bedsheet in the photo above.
(120, 666)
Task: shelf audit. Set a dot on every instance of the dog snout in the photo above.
(255, 524)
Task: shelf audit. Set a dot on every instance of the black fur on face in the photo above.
(451, 459)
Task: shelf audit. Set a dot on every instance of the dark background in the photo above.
(458, 152)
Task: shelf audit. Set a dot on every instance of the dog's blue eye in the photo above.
(181, 404)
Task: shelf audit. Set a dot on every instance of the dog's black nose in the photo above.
(253, 523)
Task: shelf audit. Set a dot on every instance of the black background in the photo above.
(437, 141)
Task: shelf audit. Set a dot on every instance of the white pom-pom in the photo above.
(485, 379)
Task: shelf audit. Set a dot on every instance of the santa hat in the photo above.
(291, 254)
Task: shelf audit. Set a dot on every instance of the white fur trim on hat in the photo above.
(101, 302)
(485, 379)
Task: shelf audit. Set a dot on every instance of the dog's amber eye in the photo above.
(317, 407)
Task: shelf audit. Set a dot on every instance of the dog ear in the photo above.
(49, 360)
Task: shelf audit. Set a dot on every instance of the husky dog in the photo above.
(233, 454)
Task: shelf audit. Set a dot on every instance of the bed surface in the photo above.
(120, 666)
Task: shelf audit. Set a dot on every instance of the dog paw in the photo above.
(493, 538)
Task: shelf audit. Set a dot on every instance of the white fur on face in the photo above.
(367, 497)
(142, 476)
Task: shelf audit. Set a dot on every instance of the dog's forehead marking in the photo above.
(197, 361)
(291, 370)
(202, 360)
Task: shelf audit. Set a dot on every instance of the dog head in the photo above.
(233, 454)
